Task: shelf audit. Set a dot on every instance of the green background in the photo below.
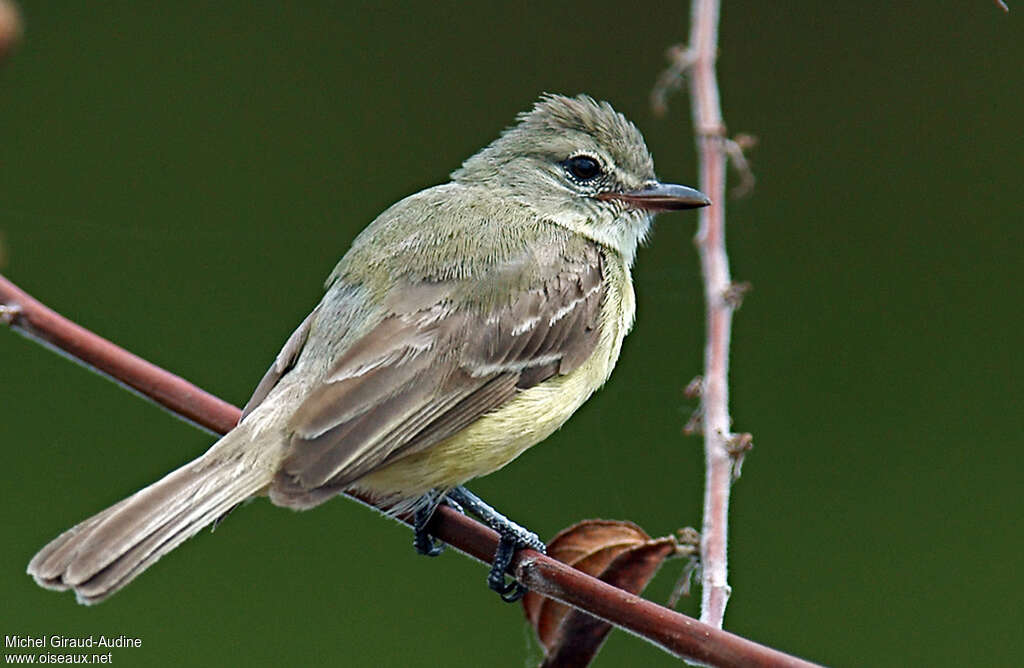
(180, 177)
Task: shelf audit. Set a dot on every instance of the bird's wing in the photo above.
(429, 369)
(283, 363)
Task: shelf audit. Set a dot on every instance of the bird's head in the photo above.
(581, 164)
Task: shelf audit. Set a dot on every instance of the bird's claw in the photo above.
(512, 592)
(422, 540)
(513, 538)
(426, 546)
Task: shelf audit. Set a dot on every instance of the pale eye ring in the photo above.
(583, 167)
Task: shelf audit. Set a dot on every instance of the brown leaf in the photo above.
(619, 553)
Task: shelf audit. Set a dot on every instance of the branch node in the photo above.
(681, 59)
(738, 445)
(734, 294)
(736, 149)
(687, 545)
(9, 313)
(694, 388)
(695, 425)
(716, 132)
(688, 540)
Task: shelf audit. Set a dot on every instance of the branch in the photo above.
(723, 451)
(710, 240)
(675, 633)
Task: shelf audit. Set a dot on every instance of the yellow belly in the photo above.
(534, 414)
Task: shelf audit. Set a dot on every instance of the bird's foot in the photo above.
(513, 538)
(508, 545)
(422, 540)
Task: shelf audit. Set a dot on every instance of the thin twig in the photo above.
(710, 240)
(680, 635)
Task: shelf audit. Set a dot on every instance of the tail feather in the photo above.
(140, 557)
(48, 566)
(102, 554)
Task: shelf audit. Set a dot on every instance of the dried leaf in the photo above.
(619, 553)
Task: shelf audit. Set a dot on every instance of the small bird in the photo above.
(465, 324)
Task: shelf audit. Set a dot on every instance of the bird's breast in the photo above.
(534, 414)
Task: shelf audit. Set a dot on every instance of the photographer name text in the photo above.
(70, 642)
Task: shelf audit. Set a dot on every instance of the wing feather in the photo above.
(429, 369)
(282, 364)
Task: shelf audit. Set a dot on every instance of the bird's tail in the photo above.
(107, 551)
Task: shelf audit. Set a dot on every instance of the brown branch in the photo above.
(32, 319)
(675, 633)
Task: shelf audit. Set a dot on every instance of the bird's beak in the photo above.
(661, 197)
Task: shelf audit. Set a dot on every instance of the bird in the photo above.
(465, 324)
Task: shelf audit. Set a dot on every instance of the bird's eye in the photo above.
(582, 167)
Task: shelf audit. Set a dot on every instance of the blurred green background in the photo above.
(181, 178)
